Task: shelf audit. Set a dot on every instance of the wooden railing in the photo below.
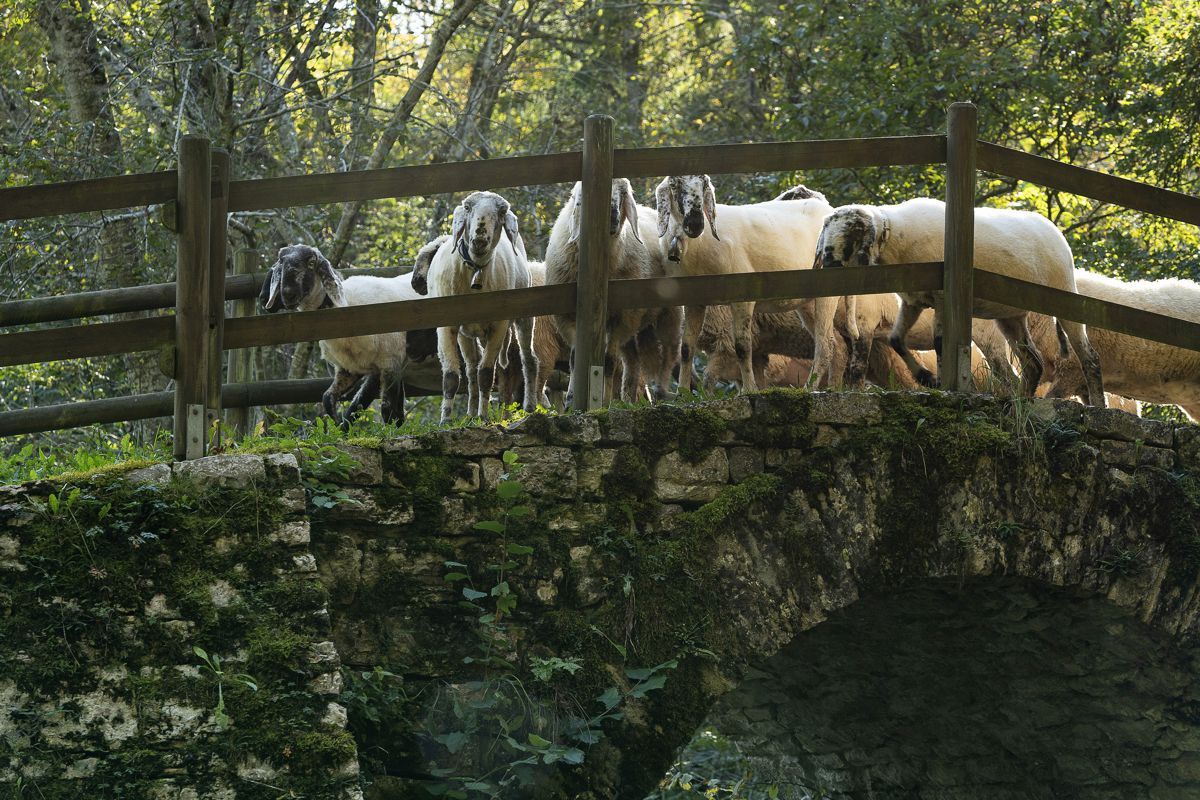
(198, 197)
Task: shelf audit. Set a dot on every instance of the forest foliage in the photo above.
(99, 87)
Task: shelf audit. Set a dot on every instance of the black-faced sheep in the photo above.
(775, 235)
(1019, 244)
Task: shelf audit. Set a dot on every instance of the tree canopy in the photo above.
(97, 87)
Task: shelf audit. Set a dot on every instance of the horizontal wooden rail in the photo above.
(703, 290)
(414, 181)
(779, 156)
(1088, 310)
(82, 341)
(1088, 183)
(161, 404)
(94, 194)
(404, 315)
(151, 297)
(545, 300)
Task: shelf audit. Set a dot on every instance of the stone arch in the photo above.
(989, 687)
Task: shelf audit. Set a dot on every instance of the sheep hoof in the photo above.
(927, 379)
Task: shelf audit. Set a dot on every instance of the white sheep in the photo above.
(303, 279)
(552, 352)
(1139, 368)
(628, 258)
(484, 252)
(775, 235)
(1015, 243)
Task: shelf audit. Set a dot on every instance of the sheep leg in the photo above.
(743, 343)
(905, 319)
(1016, 331)
(391, 406)
(470, 355)
(819, 322)
(693, 321)
(631, 370)
(1088, 359)
(669, 334)
(368, 390)
(530, 366)
(343, 381)
(497, 336)
(451, 369)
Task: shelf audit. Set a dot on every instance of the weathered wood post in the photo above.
(218, 231)
(245, 262)
(591, 302)
(193, 205)
(958, 297)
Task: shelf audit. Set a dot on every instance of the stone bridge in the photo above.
(873, 595)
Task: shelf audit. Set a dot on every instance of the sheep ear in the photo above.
(629, 212)
(710, 206)
(459, 226)
(662, 200)
(576, 212)
(510, 228)
(331, 279)
(420, 273)
(268, 297)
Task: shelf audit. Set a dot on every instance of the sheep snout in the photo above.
(674, 253)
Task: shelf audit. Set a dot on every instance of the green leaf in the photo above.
(453, 741)
(609, 698)
(458, 564)
(200, 651)
(501, 589)
(573, 755)
(53, 500)
(519, 549)
(521, 511)
(510, 457)
(490, 525)
(538, 741)
(649, 685)
(471, 594)
(455, 576)
(507, 490)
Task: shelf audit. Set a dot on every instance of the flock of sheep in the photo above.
(822, 342)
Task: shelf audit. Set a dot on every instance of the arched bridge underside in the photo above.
(873, 595)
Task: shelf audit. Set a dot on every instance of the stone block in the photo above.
(619, 425)
(492, 469)
(547, 470)
(744, 462)
(731, 408)
(596, 464)
(155, 473)
(304, 562)
(9, 549)
(467, 478)
(826, 436)
(1132, 454)
(1053, 409)
(283, 467)
(845, 408)
(367, 469)
(677, 479)
(1111, 423)
(1187, 445)
(292, 534)
(487, 441)
(228, 470)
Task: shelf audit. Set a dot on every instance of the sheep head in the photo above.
(301, 278)
(852, 236)
(420, 273)
(684, 203)
(801, 192)
(622, 207)
(478, 222)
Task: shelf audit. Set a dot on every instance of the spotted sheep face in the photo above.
(622, 207)
(684, 203)
(300, 278)
(478, 223)
(850, 237)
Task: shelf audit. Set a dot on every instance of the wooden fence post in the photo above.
(591, 301)
(245, 262)
(191, 295)
(958, 297)
(218, 231)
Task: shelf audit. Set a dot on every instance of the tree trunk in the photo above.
(400, 116)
